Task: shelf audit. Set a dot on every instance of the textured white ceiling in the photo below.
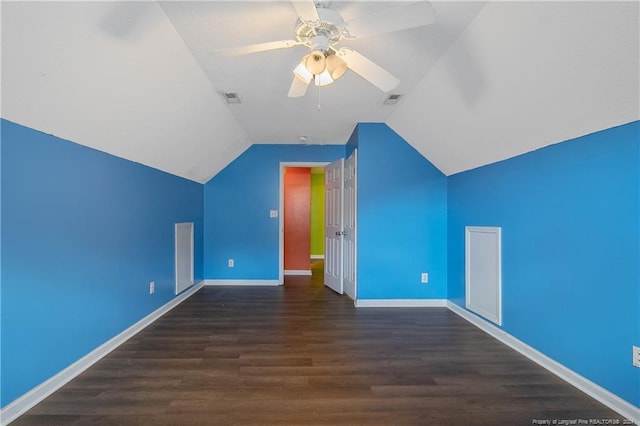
(263, 79)
(115, 76)
(483, 83)
(526, 75)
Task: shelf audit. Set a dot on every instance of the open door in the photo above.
(333, 261)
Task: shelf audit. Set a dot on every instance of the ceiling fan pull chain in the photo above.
(319, 109)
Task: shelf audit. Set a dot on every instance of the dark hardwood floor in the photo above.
(302, 355)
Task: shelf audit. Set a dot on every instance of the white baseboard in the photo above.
(27, 401)
(401, 303)
(624, 408)
(297, 272)
(241, 282)
(317, 256)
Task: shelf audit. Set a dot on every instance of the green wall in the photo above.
(317, 212)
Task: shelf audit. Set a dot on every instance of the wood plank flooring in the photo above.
(302, 355)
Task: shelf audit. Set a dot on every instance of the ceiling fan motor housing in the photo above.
(320, 35)
(320, 42)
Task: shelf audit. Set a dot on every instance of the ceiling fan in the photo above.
(322, 29)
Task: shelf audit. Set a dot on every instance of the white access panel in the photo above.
(184, 256)
(483, 277)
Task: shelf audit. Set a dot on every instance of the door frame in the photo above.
(284, 165)
(354, 156)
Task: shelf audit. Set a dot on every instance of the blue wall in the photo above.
(237, 204)
(83, 234)
(570, 244)
(402, 218)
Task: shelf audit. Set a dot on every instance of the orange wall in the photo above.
(297, 218)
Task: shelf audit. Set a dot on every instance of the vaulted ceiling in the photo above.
(484, 82)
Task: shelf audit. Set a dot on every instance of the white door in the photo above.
(184, 256)
(350, 221)
(334, 184)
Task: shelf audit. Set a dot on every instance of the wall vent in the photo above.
(232, 97)
(392, 99)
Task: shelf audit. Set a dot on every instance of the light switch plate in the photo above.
(273, 213)
(636, 356)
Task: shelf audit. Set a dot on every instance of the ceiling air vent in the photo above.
(232, 98)
(392, 99)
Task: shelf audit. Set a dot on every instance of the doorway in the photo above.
(303, 217)
(296, 250)
(341, 244)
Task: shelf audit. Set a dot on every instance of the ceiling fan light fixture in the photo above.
(315, 62)
(323, 79)
(335, 66)
(302, 72)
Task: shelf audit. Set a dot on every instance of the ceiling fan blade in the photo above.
(306, 9)
(368, 70)
(255, 48)
(398, 18)
(298, 88)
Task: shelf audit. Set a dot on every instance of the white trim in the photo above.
(297, 272)
(283, 165)
(624, 408)
(242, 282)
(27, 401)
(401, 303)
(317, 256)
(346, 238)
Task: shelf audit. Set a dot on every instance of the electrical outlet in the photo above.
(424, 278)
(152, 287)
(231, 263)
(636, 356)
